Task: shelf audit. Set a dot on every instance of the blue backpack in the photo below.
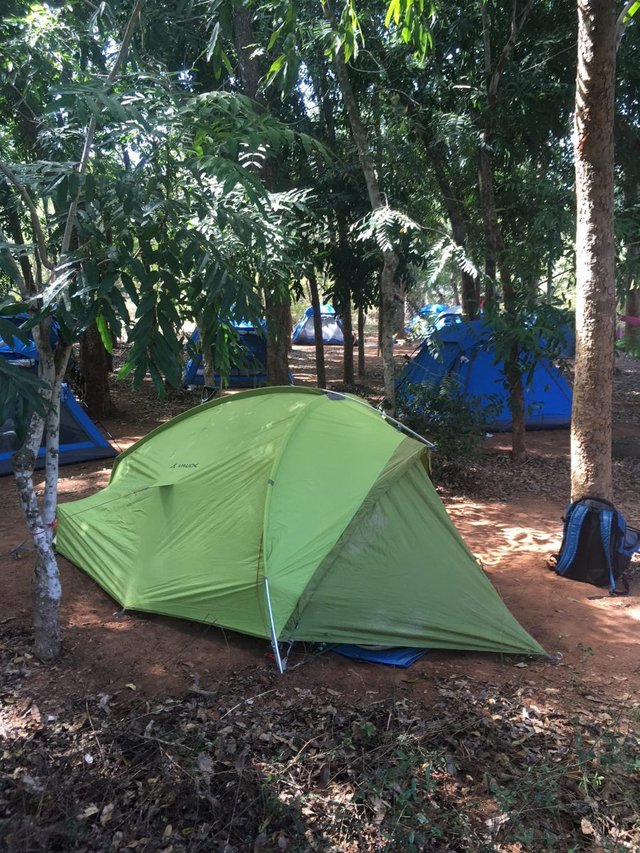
(597, 545)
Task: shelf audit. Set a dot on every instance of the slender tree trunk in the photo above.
(389, 257)
(591, 427)
(492, 236)
(94, 368)
(347, 331)
(52, 365)
(470, 286)
(277, 300)
(495, 250)
(401, 297)
(632, 301)
(47, 590)
(244, 42)
(317, 330)
(361, 352)
(453, 279)
(208, 367)
(278, 317)
(632, 309)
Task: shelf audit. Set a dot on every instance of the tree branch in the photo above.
(516, 28)
(33, 213)
(17, 273)
(91, 130)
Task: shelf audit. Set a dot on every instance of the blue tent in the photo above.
(250, 370)
(466, 351)
(430, 310)
(304, 332)
(433, 317)
(80, 439)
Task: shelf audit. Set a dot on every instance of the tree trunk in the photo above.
(361, 353)
(492, 235)
(277, 301)
(401, 302)
(516, 404)
(591, 428)
(389, 257)
(278, 317)
(347, 331)
(47, 589)
(632, 309)
(208, 367)
(321, 374)
(632, 301)
(244, 43)
(470, 287)
(453, 280)
(94, 368)
(495, 250)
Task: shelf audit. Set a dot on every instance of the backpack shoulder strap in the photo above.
(606, 534)
(575, 518)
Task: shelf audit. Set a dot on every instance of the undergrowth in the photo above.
(260, 766)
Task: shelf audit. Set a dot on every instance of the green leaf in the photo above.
(631, 11)
(105, 334)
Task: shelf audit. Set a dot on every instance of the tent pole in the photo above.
(274, 637)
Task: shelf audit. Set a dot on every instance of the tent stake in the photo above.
(274, 637)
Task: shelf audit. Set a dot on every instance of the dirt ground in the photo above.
(510, 520)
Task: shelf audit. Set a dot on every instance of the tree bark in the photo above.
(492, 234)
(591, 422)
(361, 352)
(244, 39)
(94, 368)
(347, 332)
(278, 317)
(389, 257)
(632, 309)
(277, 302)
(632, 301)
(496, 256)
(51, 368)
(470, 286)
(321, 375)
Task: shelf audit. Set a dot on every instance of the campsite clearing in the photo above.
(154, 733)
(509, 519)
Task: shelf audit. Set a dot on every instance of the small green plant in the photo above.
(629, 347)
(453, 422)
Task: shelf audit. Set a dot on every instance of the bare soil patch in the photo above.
(184, 678)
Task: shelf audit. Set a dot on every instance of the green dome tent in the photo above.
(290, 514)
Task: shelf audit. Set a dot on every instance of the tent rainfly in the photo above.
(248, 368)
(80, 438)
(465, 350)
(290, 514)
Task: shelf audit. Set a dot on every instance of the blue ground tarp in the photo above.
(402, 657)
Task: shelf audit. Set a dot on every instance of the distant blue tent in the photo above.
(80, 438)
(430, 310)
(250, 371)
(466, 351)
(433, 317)
(304, 332)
